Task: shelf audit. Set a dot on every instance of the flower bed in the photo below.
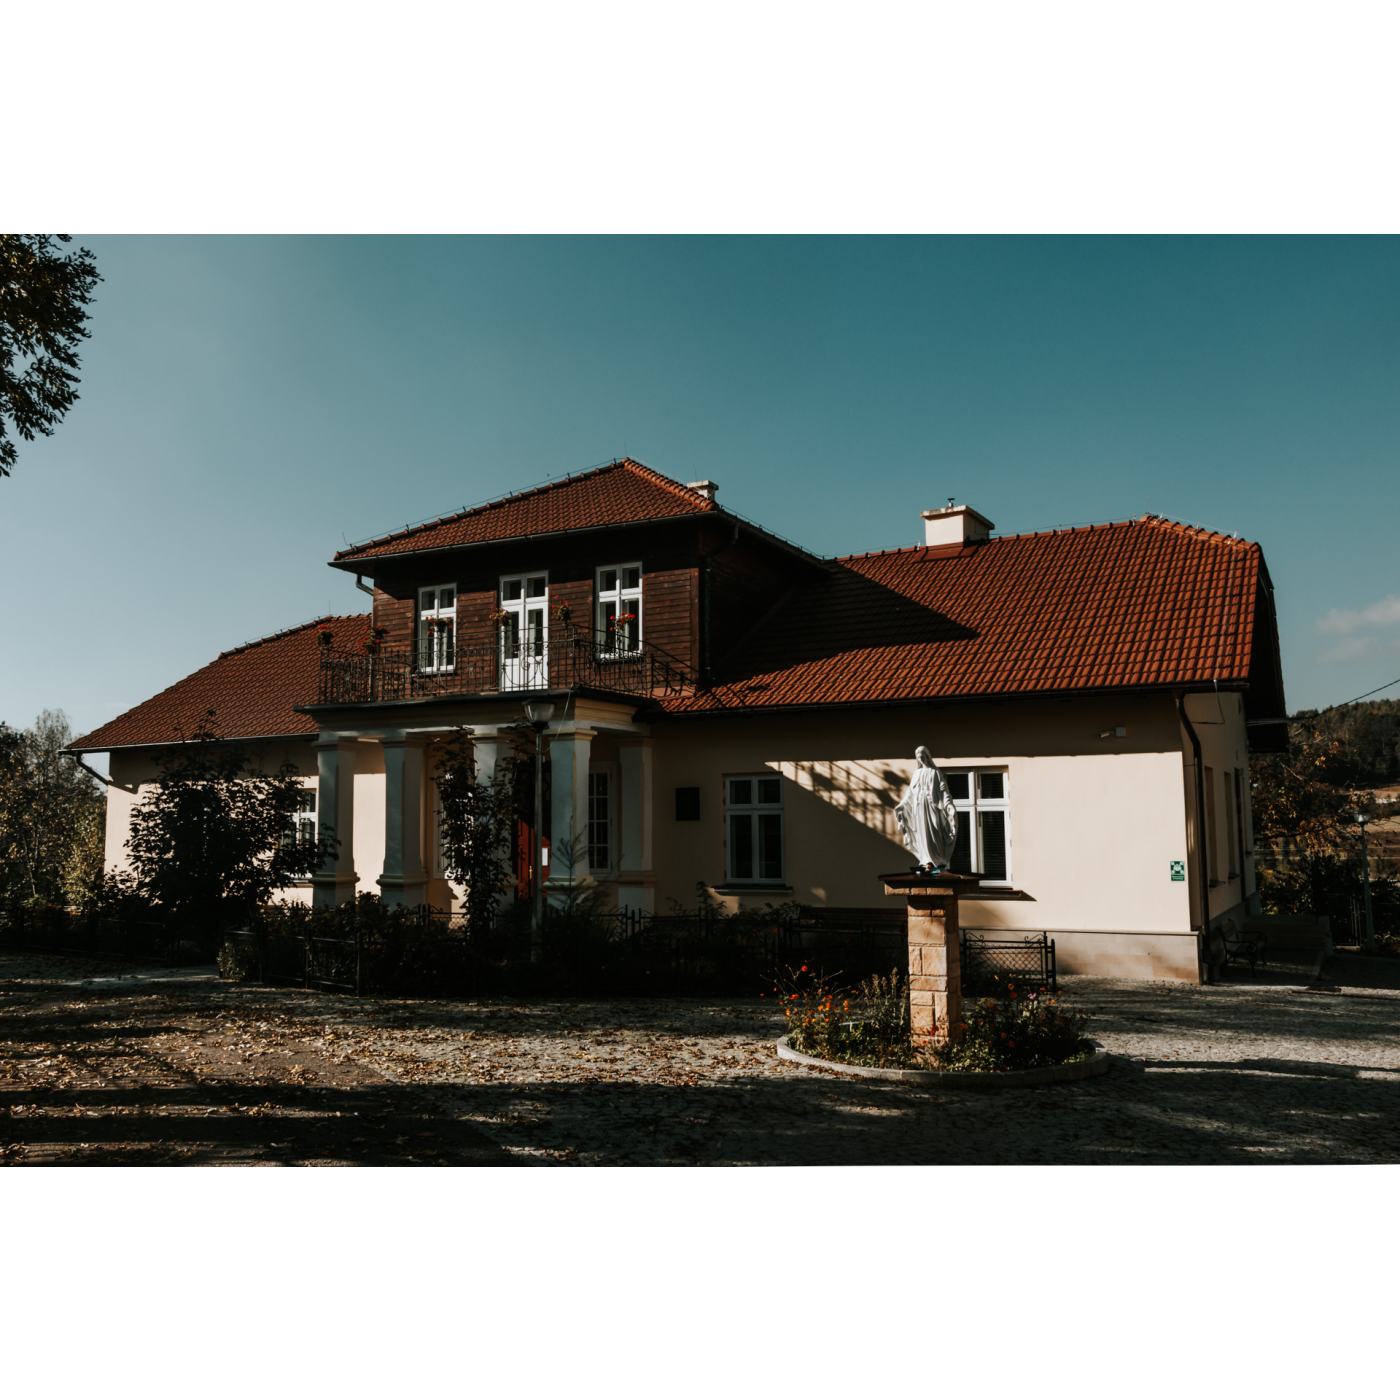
(1026, 1028)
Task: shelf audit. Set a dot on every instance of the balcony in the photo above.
(569, 657)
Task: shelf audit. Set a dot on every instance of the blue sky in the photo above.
(249, 404)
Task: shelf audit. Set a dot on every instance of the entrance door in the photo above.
(525, 633)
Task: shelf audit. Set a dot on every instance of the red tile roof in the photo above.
(623, 492)
(251, 690)
(1139, 603)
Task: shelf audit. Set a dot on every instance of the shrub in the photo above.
(1025, 1028)
(1028, 1029)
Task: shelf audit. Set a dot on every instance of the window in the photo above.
(753, 820)
(619, 609)
(602, 789)
(984, 838)
(437, 627)
(525, 632)
(303, 824)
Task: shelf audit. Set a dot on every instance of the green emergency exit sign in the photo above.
(1178, 870)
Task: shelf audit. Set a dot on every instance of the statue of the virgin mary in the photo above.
(928, 821)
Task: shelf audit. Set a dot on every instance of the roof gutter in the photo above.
(997, 697)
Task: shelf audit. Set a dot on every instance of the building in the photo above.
(734, 711)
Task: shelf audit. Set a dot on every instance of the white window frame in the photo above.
(304, 830)
(437, 646)
(609, 603)
(609, 771)
(755, 810)
(975, 805)
(525, 635)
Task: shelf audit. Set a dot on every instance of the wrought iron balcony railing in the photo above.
(569, 656)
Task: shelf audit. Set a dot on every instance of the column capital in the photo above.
(398, 737)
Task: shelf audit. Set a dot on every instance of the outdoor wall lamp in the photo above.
(539, 713)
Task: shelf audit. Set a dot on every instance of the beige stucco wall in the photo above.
(1094, 824)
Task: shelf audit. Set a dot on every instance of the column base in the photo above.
(404, 890)
(331, 891)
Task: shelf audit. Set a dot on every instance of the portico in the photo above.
(377, 799)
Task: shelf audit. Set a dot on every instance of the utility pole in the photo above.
(539, 713)
(1361, 819)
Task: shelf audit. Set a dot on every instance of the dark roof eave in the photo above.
(985, 697)
(588, 692)
(364, 563)
(175, 743)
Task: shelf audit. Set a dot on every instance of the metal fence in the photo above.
(426, 952)
(987, 961)
(50, 929)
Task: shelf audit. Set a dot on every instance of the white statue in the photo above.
(928, 821)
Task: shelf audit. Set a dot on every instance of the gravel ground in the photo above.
(101, 1069)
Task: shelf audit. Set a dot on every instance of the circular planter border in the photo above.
(989, 1081)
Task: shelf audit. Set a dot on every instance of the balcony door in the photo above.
(525, 632)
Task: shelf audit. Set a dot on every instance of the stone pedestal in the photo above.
(935, 969)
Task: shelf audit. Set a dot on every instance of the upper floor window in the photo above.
(524, 631)
(619, 608)
(983, 805)
(437, 627)
(753, 819)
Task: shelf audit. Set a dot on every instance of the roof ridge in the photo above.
(291, 631)
(670, 483)
(1156, 521)
(626, 463)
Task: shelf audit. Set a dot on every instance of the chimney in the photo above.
(706, 488)
(955, 525)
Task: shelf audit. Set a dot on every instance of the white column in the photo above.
(489, 747)
(404, 877)
(636, 883)
(334, 883)
(568, 769)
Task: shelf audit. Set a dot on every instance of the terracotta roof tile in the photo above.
(1139, 603)
(620, 493)
(251, 690)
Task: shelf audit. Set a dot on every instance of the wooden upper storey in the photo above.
(708, 579)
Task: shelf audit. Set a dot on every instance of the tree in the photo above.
(52, 815)
(477, 823)
(43, 298)
(1306, 835)
(215, 836)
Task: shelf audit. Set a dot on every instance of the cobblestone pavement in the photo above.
(101, 1071)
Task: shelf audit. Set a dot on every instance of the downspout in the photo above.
(83, 763)
(706, 657)
(363, 586)
(1202, 845)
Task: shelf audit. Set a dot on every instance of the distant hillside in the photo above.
(1369, 733)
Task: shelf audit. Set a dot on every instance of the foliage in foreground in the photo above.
(1027, 1028)
(214, 837)
(52, 817)
(44, 295)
